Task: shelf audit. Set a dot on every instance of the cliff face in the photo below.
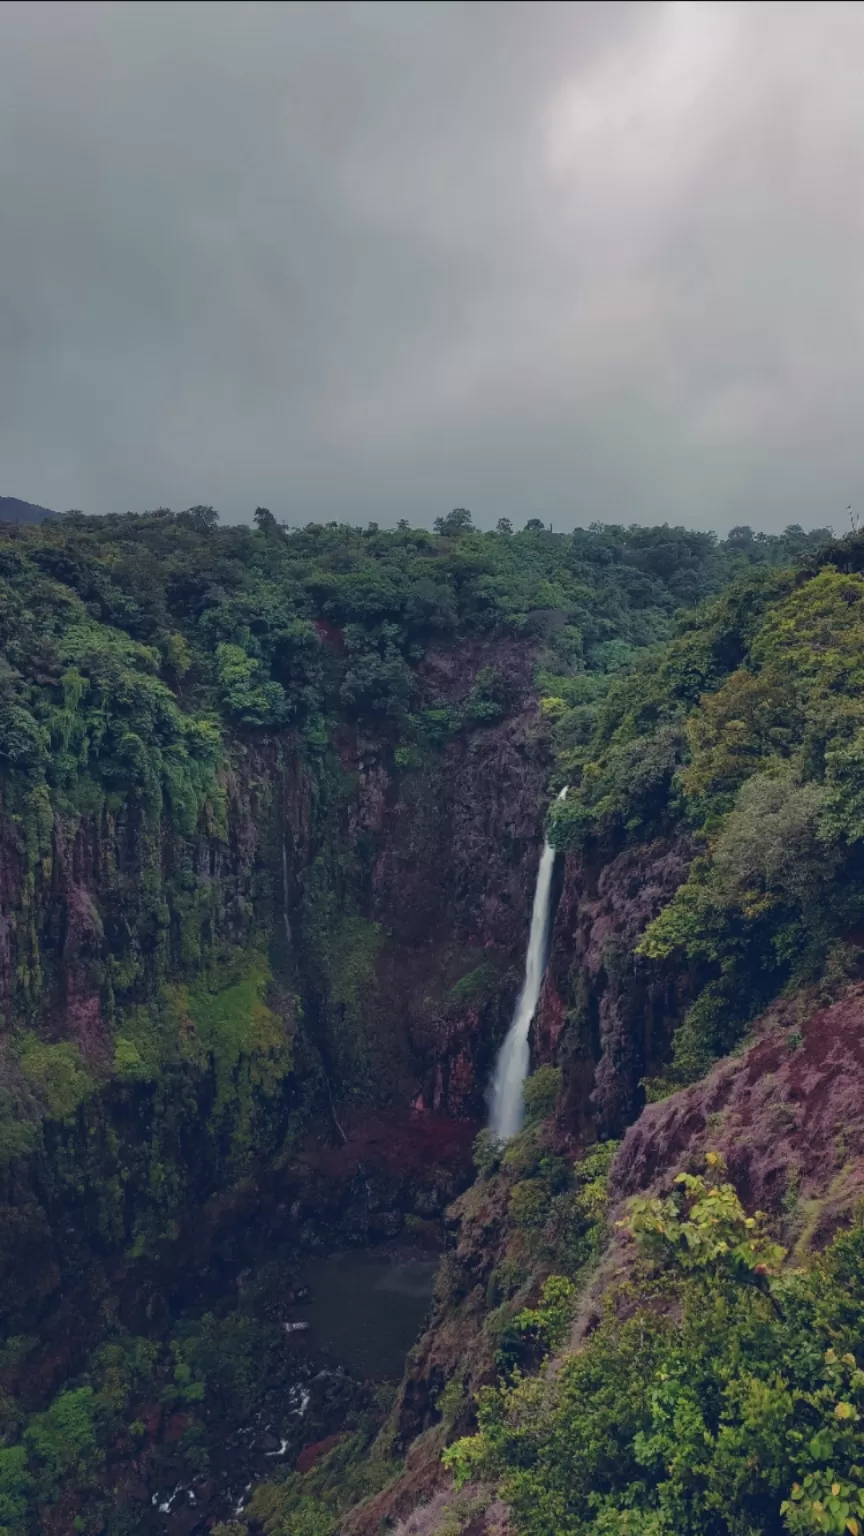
(434, 862)
(97, 906)
(341, 936)
(454, 851)
(603, 1016)
(787, 1115)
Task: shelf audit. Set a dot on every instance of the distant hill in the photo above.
(13, 510)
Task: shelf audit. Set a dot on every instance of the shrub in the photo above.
(718, 1395)
(542, 1089)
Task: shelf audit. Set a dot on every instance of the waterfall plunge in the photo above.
(511, 1068)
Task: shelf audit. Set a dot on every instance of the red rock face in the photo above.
(175, 1428)
(311, 1454)
(602, 1014)
(787, 1116)
(453, 845)
(329, 634)
(463, 835)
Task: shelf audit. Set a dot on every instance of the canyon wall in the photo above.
(339, 939)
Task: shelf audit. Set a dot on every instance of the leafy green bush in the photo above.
(56, 1071)
(541, 1093)
(245, 693)
(63, 1440)
(704, 1224)
(17, 1487)
(719, 1395)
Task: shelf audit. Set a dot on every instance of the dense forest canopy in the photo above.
(126, 640)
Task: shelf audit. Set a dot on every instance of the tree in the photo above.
(201, 519)
(264, 520)
(504, 525)
(535, 525)
(456, 522)
(740, 537)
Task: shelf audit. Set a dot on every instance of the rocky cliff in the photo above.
(344, 941)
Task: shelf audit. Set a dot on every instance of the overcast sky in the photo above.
(573, 261)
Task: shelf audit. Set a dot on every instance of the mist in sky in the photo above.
(574, 261)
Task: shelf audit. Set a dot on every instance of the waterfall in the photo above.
(511, 1068)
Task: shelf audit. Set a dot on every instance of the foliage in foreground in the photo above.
(719, 1396)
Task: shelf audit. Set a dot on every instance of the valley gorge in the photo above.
(269, 845)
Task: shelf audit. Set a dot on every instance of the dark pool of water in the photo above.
(365, 1310)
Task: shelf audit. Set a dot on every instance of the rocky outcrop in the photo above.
(787, 1114)
(604, 1016)
(464, 831)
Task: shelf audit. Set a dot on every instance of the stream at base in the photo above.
(340, 1335)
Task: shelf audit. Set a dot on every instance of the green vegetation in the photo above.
(210, 1371)
(55, 1073)
(554, 1230)
(541, 1093)
(719, 1394)
(231, 1026)
(310, 1504)
(129, 639)
(747, 733)
(175, 699)
(142, 656)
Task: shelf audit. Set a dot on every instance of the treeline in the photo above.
(128, 642)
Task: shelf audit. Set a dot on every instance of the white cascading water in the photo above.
(511, 1068)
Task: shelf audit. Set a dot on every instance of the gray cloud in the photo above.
(575, 261)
